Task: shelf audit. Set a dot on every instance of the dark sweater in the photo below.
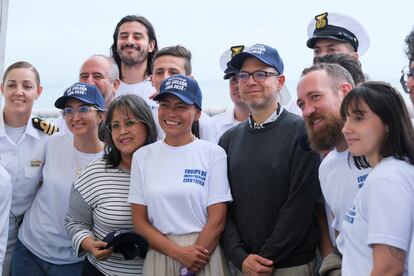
(274, 181)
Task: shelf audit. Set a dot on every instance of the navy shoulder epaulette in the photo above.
(44, 126)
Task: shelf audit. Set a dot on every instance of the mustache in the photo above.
(129, 46)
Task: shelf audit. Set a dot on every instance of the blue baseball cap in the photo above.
(183, 87)
(83, 92)
(264, 53)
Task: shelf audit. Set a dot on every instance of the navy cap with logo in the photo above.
(127, 242)
(264, 53)
(183, 87)
(83, 92)
(339, 27)
(225, 58)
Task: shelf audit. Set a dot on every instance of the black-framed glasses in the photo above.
(259, 76)
(116, 126)
(406, 73)
(81, 110)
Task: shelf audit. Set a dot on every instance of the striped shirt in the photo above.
(98, 206)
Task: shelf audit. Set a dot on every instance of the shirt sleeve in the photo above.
(136, 194)
(219, 189)
(231, 241)
(390, 213)
(5, 203)
(78, 221)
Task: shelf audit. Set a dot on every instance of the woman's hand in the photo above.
(193, 257)
(96, 248)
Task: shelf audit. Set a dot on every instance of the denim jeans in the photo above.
(25, 262)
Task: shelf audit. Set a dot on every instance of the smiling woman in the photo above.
(93, 215)
(21, 145)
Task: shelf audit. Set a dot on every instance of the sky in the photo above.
(57, 36)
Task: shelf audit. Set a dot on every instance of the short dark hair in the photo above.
(19, 65)
(140, 110)
(176, 51)
(409, 40)
(390, 107)
(151, 37)
(346, 61)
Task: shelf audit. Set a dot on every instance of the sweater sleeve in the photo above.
(296, 216)
(78, 221)
(231, 241)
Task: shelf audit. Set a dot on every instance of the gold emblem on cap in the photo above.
(321, 20)
(236, 50)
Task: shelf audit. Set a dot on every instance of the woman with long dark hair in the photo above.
(377, 230)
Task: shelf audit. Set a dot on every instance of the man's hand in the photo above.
(256, 265)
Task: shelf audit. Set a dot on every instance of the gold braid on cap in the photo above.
(44, 126)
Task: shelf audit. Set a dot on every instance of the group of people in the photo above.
(135, 179)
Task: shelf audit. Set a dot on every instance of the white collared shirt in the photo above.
(224, 121)
(24, 162)
(5, 201)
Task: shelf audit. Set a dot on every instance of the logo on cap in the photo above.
(236, 50)
(321, 20)
(77, 89)
(258, 49)
(176, 83)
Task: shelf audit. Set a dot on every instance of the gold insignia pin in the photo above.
(321, 20)
(236, 50)
(36, 163)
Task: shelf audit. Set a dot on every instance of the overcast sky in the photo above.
(57, 36)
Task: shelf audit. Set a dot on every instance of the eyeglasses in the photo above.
(128, 124)
(81, 110)
(259, 76)
(406, 73)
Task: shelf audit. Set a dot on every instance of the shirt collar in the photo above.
(273, 117)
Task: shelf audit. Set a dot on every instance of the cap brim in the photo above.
(181, 97)
(60, 102)
(312, 41)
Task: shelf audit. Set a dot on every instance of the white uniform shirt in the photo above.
(23, 161)
(5, 203)
(177, 184)
(224, 121)
(340, 182)
(43, 231)
(382, 213)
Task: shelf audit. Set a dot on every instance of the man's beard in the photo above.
(327, 136)
(141, 56)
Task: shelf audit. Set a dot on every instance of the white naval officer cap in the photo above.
(338, 27)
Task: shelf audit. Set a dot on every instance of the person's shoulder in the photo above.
(218, 118)
(148, 150)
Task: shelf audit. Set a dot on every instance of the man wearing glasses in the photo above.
(273, 176)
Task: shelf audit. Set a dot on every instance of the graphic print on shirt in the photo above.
(196, 176)
(350, 216)
(361, 180)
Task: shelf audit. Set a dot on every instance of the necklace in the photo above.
(80, 160)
